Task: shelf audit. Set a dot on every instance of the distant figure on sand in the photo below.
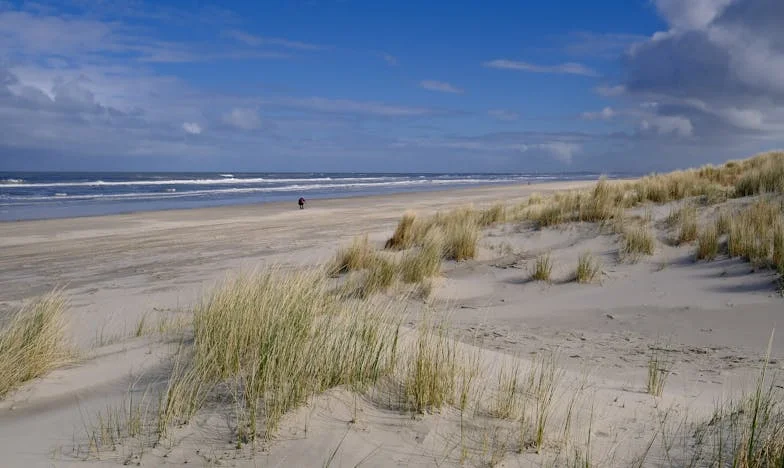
(301, 203)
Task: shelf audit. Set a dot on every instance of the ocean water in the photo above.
(42, 195)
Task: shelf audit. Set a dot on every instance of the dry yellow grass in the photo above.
(751, 231)
(424, 262)
(708, 243)
(778, 246)
(543, 268)
(431, 369)
(588, 268)
(403, 237)
(687, 231)
(274, 339)
(33, 342)
(358, 255)
(494, 214)
(637, 241)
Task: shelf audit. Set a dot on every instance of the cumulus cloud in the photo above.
(243, 119)
(564, 68)
(440, 86)
(192, 127)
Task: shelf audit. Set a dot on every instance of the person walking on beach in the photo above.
(301, 203)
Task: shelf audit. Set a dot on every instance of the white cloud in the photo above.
(604, 114)
(255, 41)
(502, 114)
(244, 119)
(668, 125)
(192, 127)
(440, 86)
(564, 68)
(357, 107)
(691, 14)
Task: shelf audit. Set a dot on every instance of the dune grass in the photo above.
(687, 231)
(431, 369)
(637, 241)
(425, 261)
(751, 232)
(494, 214)
(707, 243)
(588, 268)
(275, 339)
(543, 267)
(403, 237)
(658, 371)
(33, 342)
(778, 246)
(358, 255)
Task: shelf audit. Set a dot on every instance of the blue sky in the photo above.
(329, 85)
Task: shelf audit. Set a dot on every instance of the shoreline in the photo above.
(278, 203)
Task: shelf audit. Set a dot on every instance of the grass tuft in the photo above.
(358, 255)
(33, 342)
(637, 241)
(424, 262)
(658, 370)
(588, 268)
(708, 244)
(543, 267)
(688, 225)
(274, 339)
(431, 369)
(403, 236)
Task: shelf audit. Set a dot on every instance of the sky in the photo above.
(382, 86)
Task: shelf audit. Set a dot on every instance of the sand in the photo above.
(714, 319)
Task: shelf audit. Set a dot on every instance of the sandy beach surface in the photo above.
(714, 319)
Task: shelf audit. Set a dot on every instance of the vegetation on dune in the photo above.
(275, 339)
(708, 243)
(588, 268)
(637, 241)
(543, 268)
(358, 255)
(33, 342)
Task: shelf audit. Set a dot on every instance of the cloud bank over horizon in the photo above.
(336, 86)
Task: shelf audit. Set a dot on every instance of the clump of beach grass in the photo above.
(494, 214)
(425, 261)
(358, 255)
(637, 241)
(275, 339)
(33, 342)
(658, 370)
(708, 243)
(588, 268)
(461, 239)
(403, 237)
(687, 231)
(751, 231)
(431, 369)
(778, 246)
(543, 267)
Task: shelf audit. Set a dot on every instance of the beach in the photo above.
(714, 319)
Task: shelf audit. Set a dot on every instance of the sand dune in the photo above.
(711, 319)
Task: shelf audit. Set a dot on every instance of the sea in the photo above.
(44, 195)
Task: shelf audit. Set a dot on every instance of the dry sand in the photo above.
(714, 319)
